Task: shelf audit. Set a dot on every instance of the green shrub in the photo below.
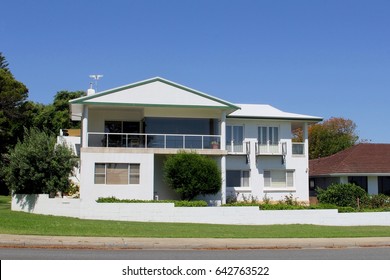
(282, 206)
(178, 203)
(344, 195)
(193, 203)
(38, 165)
(378, 201)
(191, 174)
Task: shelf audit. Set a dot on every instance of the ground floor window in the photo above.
(237, 178)
(360, 181)
(384, 185)
(278, 178)
(117, 173)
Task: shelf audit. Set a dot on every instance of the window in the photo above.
(116, 130)
(234, 138)
(117, 173)
(278, 178)
(121, 127)
(237, 178)
(384, 185)
(181, 126)
(268, 135)
(361, 181)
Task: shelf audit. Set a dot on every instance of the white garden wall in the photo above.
(166, 212)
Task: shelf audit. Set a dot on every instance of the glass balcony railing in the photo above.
(162, 141)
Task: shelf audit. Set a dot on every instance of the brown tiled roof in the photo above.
(359, 159)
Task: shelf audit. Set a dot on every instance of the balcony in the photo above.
(158, 141)
(271, 148)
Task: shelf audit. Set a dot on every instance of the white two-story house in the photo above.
(127, 133)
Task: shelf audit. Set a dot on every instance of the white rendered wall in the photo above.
(91, 191)
(166, 212)
(257, 164)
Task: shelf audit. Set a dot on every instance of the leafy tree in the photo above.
(13, 95)
(191, 174)
(37, 165)
(55, 116)
(331, 136)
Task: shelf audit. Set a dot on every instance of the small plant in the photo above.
(290, 200)
(254, 199)
(231, 198)
(73, 190)
(266, 199)
(378, 201)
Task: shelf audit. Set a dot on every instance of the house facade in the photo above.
(366, 165)
(128, 132)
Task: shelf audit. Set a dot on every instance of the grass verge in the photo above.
(32, 224)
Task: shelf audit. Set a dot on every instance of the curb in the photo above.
(30, 241)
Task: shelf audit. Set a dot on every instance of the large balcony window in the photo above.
(181, 126)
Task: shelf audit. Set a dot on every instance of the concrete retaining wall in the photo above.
(42, 204)
(166, 212)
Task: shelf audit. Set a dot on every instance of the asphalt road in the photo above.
(118, 254)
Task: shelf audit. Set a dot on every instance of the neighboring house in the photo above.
(127, 133)
(366, 165)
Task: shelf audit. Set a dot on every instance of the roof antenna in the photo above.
(96, 78)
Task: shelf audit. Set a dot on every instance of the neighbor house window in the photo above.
(237, 178)
(278, 178)
(117, 173)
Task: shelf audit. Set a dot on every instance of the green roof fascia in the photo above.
(85, 98)
(151, 105)
(275, 118)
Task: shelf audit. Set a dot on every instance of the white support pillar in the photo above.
(306, 139)
(84, 127)
(223, 158)
(223, 131)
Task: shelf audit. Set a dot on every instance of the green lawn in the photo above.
(24, 223)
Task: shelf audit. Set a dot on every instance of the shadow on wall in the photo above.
(26, 201)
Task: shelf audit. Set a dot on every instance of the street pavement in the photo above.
(31, 241)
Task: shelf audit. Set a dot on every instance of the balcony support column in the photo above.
(223, 158)
(84, 127)
(306, 139)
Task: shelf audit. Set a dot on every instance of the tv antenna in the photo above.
(96, 78)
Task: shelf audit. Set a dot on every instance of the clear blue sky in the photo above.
(316, 57)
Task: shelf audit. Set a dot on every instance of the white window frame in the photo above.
(235, 146)
(289, 179)
(129, 173)
(269, 129)
(242, 178)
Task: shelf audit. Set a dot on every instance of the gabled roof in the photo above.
(155, 92)
(263, 111)
(364, 159)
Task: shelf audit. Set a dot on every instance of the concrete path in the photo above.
(7, 240)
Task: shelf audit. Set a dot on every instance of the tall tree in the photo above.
(13, 95)
(3, 63)
(331, 136)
